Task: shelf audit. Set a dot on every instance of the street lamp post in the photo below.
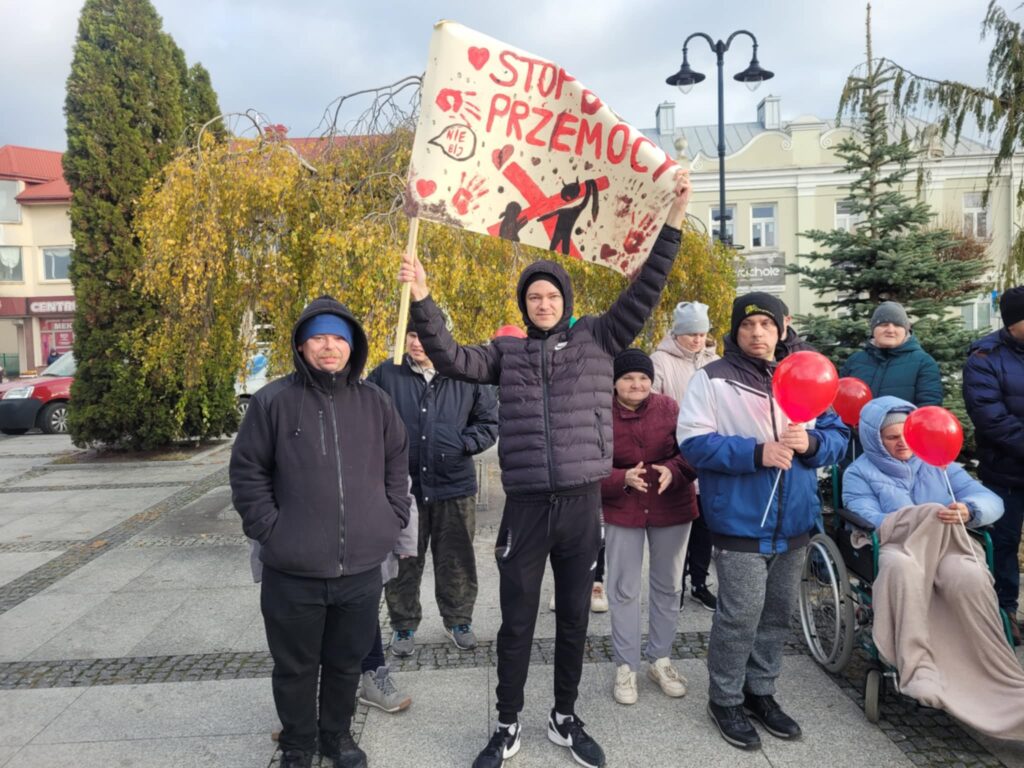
(686, 78)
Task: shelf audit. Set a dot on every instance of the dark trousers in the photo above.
(1005, 543)
(317, 628)
(567, 528)
(447, 528)
(375, 658)
(599, 569)
(698, 553)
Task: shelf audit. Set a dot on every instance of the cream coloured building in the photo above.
(37, 304)
(781, 180)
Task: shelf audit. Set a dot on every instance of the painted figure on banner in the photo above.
(511, 145)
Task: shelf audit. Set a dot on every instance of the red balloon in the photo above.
(934, 435)
(852, 395)
(805, 385)
(510, 330)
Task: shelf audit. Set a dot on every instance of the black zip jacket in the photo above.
(448, 421)
(555, 410)
(319, 470)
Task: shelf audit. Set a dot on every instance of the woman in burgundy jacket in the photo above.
(649, 495)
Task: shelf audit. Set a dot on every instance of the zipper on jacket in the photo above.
(600, 431)
(782, 478)
(341, 485)
(547, 416)
(323, 439)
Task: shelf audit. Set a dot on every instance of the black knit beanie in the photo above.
(630, 360)
(1011, 305)
(758, 303)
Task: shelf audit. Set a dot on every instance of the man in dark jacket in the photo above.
(757, 475)
(319, 475)
(994, 394)
(448, 422)
(554, 424)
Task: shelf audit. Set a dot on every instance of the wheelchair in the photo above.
(835, 599)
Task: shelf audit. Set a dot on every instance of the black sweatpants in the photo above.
(565, 526)
(698, 553)
(317, 628)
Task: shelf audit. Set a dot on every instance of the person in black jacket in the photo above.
(319, 476)
(449, 422)
(555, 446)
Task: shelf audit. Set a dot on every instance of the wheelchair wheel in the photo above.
(873, 683)
(826, 606)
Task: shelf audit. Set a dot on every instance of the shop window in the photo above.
(55, 263)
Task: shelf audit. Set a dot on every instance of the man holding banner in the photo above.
(555, 435)
(732, 430)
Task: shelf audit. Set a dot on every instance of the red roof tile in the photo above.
(30, 165)
(56, 191)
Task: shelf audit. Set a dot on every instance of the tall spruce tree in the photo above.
(894, 253)
(126, 113)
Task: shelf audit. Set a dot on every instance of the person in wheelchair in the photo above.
(934, 609)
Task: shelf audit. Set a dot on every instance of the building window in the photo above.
(762, 225)
(846, 219)
(730, 223)
(975, 216)
(55, 263)
(977, 316)
(10, 264)
(10, 211)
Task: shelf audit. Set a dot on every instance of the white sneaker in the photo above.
(598, 598)
(667, 677)
(625, 685)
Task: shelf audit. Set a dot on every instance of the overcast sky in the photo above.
(289, 58)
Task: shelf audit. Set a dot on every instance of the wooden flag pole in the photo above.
(403, 305)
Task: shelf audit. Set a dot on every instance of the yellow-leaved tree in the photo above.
(251, 231)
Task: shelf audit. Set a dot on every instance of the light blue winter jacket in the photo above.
(876, 483)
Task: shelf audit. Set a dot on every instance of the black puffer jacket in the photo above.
(554, 418)
(319, 470)
(448, 422)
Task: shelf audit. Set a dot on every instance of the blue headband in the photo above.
(325, 324)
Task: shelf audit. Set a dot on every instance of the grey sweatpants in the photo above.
(757, 596)
(624, 561)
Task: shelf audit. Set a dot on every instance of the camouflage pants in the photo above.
(448, 528)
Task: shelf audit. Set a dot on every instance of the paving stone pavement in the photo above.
(137, 641)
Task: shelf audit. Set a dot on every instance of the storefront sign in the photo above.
(12, 306)
(56, 305)
(761, 271)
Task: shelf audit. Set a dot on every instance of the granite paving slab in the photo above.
(14, 564)
(246, 751)
(24, 714)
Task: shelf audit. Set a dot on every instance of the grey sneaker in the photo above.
(402, 642)
(379, 690)
(462, 635)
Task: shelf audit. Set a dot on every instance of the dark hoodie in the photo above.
(554, 417)
(319, 470)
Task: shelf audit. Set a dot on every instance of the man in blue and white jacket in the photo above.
(739, 440)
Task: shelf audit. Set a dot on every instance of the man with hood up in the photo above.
(555, 447)
(319, 476)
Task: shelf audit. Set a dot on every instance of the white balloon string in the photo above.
(771, 497)
(970, 542)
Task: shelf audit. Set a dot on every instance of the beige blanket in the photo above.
(936, 619)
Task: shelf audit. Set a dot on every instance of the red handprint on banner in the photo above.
(639, 233)
(467, 193)
(458, 102)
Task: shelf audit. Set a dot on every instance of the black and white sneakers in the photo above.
(569, 733)
(504, 743)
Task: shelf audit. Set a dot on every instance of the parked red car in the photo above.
(38, 402)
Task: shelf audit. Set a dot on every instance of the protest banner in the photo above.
(511, 145)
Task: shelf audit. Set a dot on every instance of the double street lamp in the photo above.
(753, 76)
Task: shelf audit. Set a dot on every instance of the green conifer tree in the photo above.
(126, 112)
(895, 252)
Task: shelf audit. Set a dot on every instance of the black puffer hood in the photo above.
(323, 306)
(564, 283)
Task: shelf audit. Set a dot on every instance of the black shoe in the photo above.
(766, 710)
(570, 733)
(1014, 631)
(342, 749)
(734, 726)
(504, 743)
(704, 597)
(296, 758)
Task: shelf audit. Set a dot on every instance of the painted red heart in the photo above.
(478, 57)
(591, 103)
(425, 188)
(501, 156)
(607, 252)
